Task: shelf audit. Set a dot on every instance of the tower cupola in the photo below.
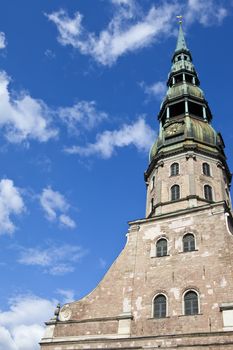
(184, 96)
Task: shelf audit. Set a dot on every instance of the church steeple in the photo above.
(181, 43)
(184, 95)
(185, 131)
(181, 51)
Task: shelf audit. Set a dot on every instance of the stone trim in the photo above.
(178, 212)
(124, 316)
(185, 149)
(85, 338)
(192, 196)
(50, 322)
(126, 338)
(226, 306)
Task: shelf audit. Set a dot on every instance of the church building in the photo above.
(171, 287)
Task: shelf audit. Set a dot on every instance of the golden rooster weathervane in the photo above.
(180, 18)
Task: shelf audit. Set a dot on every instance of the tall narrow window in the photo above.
(191, 303)
(206, 169)
(160, 306)
(152, 204)
(161, 247)
(208, 193)
(188, 242)
(175, 192)
(153, 183)
(175, 169)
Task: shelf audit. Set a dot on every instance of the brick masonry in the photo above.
(118, 314)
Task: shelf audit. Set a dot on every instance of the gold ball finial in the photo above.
(180, 18)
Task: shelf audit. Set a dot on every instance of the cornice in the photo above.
(181, 212)
(126, 338)
(185, 148)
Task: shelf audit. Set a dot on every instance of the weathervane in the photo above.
(180, 18)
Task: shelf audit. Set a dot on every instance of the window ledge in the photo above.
(190, 251)
(210, 176)
(158, 319)
(158, 257)
(199, 314)
(176, 200)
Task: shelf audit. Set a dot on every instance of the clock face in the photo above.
(173, 129)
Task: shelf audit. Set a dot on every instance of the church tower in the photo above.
(188, 166)
(172, 285)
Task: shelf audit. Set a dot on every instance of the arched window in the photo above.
(188, 242)
(160, 306)
(191, 303)
(161, 247)
(175, 169)
(175, 192)
(208, 193)
(206, 169)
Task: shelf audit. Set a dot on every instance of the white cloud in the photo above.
(138, 134)
(122, 2)
(126, 8)
(11, 203)
(131, 29)
(206, 12)
(23, 117)
(50, 54)
(127, 31)
(60, 269)
(3, 42)
(83, 113)
(21, 326)
(54, 260)
(67, 221)
(35, 256)
(67, 294)
(55, 207)
(157, 89)
(69, 28)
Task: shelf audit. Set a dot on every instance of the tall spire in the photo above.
(184, 96)
(181, 44)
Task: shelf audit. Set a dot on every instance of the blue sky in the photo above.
(81, 83)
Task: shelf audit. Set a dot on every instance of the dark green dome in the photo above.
(187, 130)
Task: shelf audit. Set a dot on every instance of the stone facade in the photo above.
(124, 311)
(119, 312)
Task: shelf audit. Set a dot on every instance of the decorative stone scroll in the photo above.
(190, 155)
(161, 163)
(65, 313)
(220, 165)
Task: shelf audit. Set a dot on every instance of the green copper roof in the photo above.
(194, 131)
(181, 44)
